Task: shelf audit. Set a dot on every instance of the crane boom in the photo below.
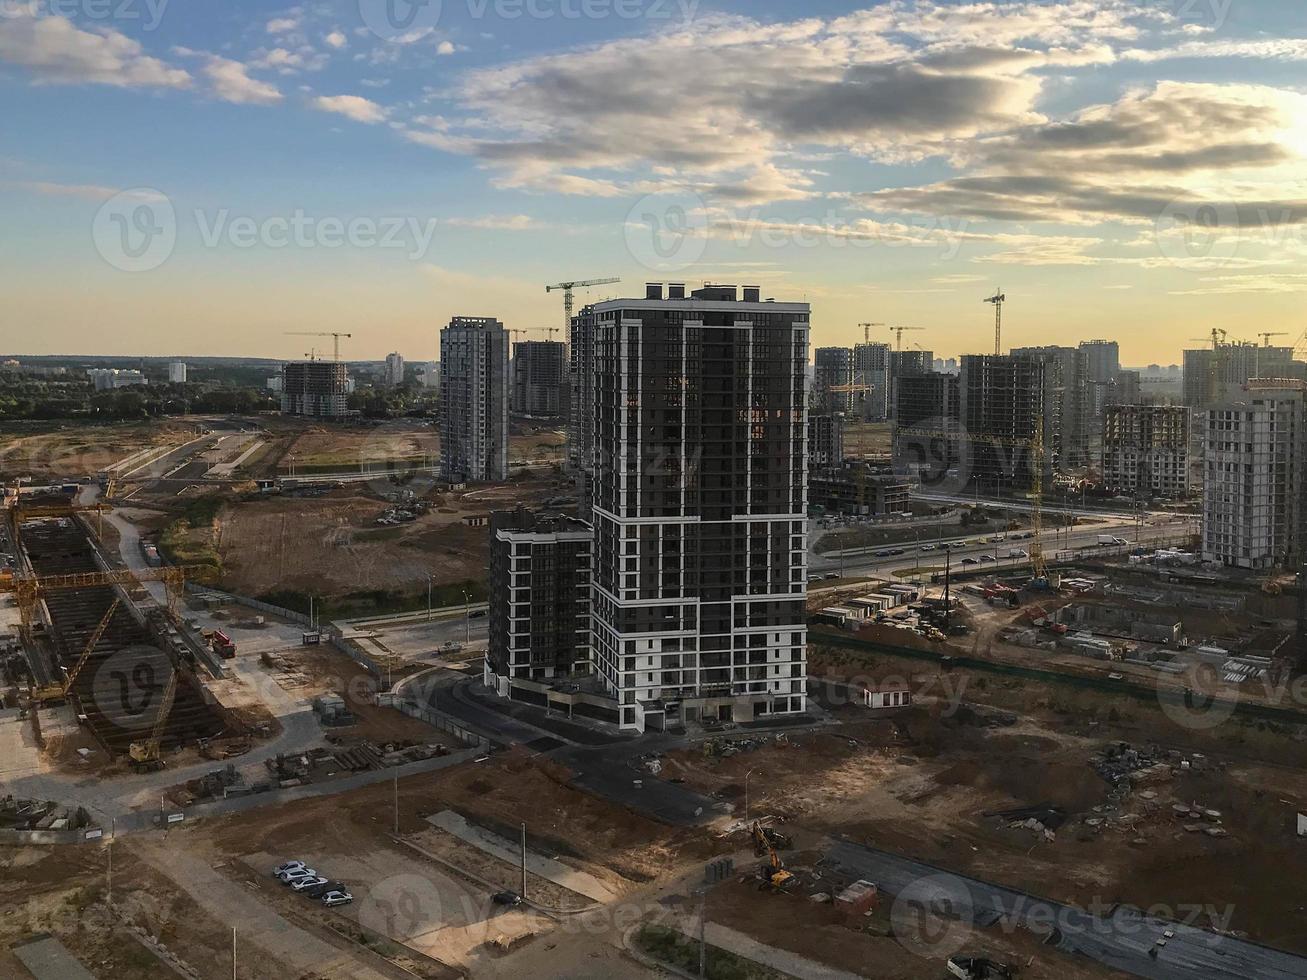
(323, 333)
(147, 752)
(567, 288)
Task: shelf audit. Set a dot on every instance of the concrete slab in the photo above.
(46, 958)
(510, 852)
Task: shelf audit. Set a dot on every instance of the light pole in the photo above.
(467, 614)
(428, 574)
(746, 793)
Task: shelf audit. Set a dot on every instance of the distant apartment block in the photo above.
(316, 389)
(539, 603)
(429, 375)
(1003, 400)
(394, 374)
(833, 379)
(580, 420)
(109, 379)
(1213, 376)
(1065, 386)
(177, 372)
(1102, 359)
(1253, 467)
(825, 440)
(853, 487)
(540, 378)
(474, 400)
(926, 435)
(871, 369)
(1146, 450)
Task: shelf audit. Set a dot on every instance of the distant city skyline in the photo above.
(200, 179)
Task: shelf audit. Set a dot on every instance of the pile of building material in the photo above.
(332, 711)
(1119, 762)
(22, 814)
(1043, 819)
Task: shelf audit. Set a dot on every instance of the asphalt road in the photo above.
(1120, 938)
(864, 561)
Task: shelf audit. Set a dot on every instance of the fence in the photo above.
(256, 604)
(435, 719)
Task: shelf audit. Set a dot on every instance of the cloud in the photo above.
(57, 52)
(1176, 148)
(336, 39)
(353, 107)
(283, 25)
(286, 62)
(232, 83)
(445, 47)
(497, 222)
(84, 192)
(1268, 283)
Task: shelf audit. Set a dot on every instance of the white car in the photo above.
(302, 884)
(289, 866)
(334, 898)
(290, 877)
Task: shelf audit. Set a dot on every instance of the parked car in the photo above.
(987, 558)
(282, 869)
(290, 877)
(337, 897)
(507, 898)
(832, 574)
(304, 884)
(970, 561)
(317, 891)
(929, 547)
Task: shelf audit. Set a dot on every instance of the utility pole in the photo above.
(233, 953)
(948, 570)
(524, 859)
(467, 614)
(428, 597)
(396, 774)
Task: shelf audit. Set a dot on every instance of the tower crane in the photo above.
(324, 333)
(997, 300)
(567, 288)
(899, 331)
(1266, 336)
(866, 330)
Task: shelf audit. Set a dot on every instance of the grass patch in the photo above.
(671, 946)
(189, 540)
(376, 602)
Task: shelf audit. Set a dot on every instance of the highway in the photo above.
(864, 561)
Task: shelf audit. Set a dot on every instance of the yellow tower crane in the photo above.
(997, 301)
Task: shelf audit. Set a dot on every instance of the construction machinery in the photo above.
(899, 332)
(1266, 336)
(997, 301)
(772, 872)
(866, 330)
(30, 589)
(325, 333)
(764, 838)
(145, 755)
(567, 288)
(59, 692)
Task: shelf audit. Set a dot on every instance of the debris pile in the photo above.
(1043, 819)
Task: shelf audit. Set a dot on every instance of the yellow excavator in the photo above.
(58, 692)
(772, 873)
(145, 755)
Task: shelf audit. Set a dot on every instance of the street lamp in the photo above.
(428, 574)
(467, 614)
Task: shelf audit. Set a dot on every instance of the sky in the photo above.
(188, 177)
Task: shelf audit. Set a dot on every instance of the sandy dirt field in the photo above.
(76, 451)
(401, 440)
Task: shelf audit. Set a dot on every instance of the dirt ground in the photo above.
(72, 452)
(332, 546)
(868, 946)
(400, 440)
